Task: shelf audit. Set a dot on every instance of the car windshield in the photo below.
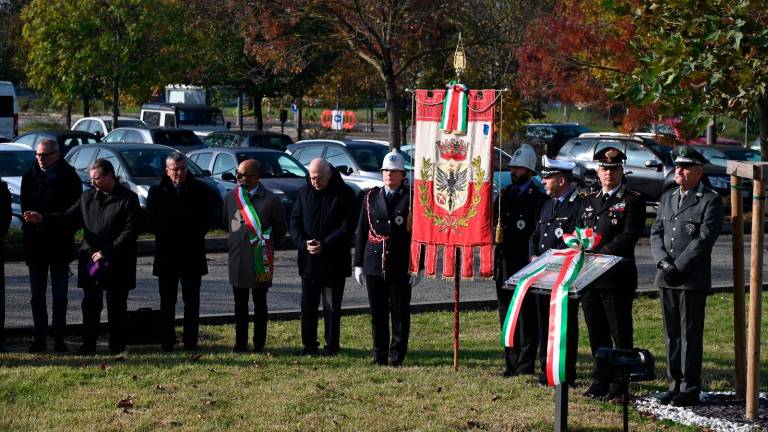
(151, 162)
(275, 164)
(200, 117)
(15, 163)
(369, 157)
(742, 155)
(176, 138)
(124, 123)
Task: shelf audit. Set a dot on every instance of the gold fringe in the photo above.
(499, 233)
(409, 225)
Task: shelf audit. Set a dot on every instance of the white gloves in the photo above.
(359, 276)
(415, 280)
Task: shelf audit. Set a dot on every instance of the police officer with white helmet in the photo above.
(381, 261)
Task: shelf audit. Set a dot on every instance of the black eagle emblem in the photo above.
(451, 182)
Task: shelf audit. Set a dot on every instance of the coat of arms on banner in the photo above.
(453, 177)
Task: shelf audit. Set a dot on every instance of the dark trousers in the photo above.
(608, 315)
(389, 298)
(521, 358)
(117, 305)
(332, 294)
(259, 317)
(190, 294)
(38, 280)
(2, 299)
(572, 340)
(683, 316)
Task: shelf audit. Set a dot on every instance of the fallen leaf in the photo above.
(269, 354)
(125, 403)
(209, 402)
(119, 358)
(398, 380)
(197, 357)
(440, 389)
(159, 387)
(495, 398)
(135, 378)
(477, 424)
(211, 370)
(104, 366)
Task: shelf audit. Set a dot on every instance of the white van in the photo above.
(201, 119)
(9, 111)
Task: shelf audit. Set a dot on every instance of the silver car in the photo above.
(15, 161)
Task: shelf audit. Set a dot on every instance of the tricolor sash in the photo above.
(263, 254)
(455, 109)
(581, 240)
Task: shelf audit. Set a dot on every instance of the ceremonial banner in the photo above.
(453, 178)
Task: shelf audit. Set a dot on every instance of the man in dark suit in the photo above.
(323, 221)
(618, 215)
(382, 251)
(517, 209)
(250, 209)
(5, 222)
(687, 225)
(558, 215)
(180, 211)
(51, 185)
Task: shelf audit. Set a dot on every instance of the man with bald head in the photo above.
(255, 221)
(323, 222)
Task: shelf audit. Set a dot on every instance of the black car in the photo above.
(67, 139)
(549, 137)
(280, 172)
(649, 168)
(248, 138)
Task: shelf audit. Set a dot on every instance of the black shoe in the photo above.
(616, 393)
(666, 397)
(240, 348)
(686, 399)
(330, 352)
(379, 362)
(60, 346)
(87, 348)
(166, 348)
(309, 352)
(396, 363)
(38, 346)
(543, 380)
(191, 347)
(116, 349)
(507, 373)
(2, 349)
(596, 391)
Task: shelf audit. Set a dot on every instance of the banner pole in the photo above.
(456, 284)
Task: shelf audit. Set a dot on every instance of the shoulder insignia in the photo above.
(581, 194)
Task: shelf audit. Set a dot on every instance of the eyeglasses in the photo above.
(45, 155)
(241, 175)
(177, 169)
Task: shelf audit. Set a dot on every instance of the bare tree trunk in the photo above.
(86, 105)
(712, 131)
(393, 112)
(762, 119)
(69, 114)
(299, 123)
(258, 115)
(115, 104)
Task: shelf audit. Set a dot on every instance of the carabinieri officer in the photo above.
(381, 261)
(618, 215)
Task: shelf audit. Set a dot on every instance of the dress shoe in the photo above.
(2, 349)
(117, 349)
(190, 347)
(379, 362)
(87, 348)
(543, 380)
(507, 373)
(396, 363)
(616, 393)
(309, 352)
(666, 397)
(330, 352)
(166, 348)
(240, 348)
(38, 346)
(60, 346)
(686, 399)
(596, 391)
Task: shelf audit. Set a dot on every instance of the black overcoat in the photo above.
(519, 213)
(389, 220)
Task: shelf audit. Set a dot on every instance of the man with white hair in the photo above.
(322, 224)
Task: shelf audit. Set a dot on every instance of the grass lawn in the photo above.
(217, 390)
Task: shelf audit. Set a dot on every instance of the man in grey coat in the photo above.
(687, 224)
(255, 221)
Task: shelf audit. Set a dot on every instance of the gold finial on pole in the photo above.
(459, 59)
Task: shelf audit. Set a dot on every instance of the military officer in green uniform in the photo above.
(688, 222)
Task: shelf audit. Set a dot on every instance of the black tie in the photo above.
(557, 204)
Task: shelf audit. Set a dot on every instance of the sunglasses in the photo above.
(241, 175)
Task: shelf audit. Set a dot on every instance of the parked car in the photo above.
(9, 111)
(66, 139)
(248, 138)
(15, 161)
(547, 138)
(672, 128)
(138, 166)
(202, 119)
(359, 161)
(102, 125)
(649, 168)
(721, 154)
(181, 139)
(280, 172)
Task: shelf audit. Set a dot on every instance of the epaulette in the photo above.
(592, 194)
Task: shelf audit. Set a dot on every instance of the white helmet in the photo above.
(393, 161)
(524, 157)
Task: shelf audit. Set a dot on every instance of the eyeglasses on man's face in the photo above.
(46, 155)
(242, 175)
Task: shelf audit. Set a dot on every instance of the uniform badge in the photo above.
(614, 221)
(690, 228)
(559, 232)
(589, 209)
(520, 224)
(399, 220)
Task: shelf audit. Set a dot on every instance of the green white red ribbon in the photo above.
(263, 255)
(581, 240)
(455, 109)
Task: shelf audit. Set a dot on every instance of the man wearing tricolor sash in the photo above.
(558, 216)
(516, 210)
(256, 222)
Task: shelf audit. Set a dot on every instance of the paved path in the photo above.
(216, 295)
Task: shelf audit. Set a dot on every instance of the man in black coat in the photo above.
(618, 215)
(109, 214)
(517, 209)
(180, 211)
(687, 225)
(322, 224)
(50, 186)
(5, 222)
(382, 252)
(558, 215)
